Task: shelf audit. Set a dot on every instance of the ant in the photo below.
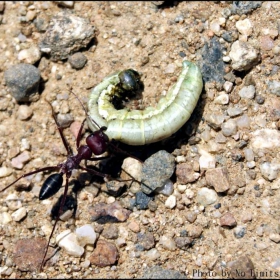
(96, 143)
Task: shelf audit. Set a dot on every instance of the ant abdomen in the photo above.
(51, 186)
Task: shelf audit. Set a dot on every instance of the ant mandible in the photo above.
(96, 143)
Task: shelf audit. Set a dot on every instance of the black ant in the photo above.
(96, 143)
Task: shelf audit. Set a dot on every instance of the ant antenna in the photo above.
(86, 111)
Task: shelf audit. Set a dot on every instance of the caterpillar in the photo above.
(140, 127)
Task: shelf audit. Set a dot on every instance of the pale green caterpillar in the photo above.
(140, 127)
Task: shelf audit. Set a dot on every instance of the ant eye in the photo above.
(98, 142)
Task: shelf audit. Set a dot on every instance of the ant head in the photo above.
(98, 141)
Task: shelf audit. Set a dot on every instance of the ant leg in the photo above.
(79, 135)
(31, 173)
(56, 221)
(60, 129)
(94, 172)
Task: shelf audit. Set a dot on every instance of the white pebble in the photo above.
(153, 254)
(265, 139)
(25, 145)
(167, 189)
(5, 218)
(206, 196)
(206, 160)
(243, 122)
(243, 56)
(132, 167)
(19, 214)
(13, 202)
(170, 68)
(69, 242)
(189, 194)
(249, 154)
(167, 243)
(222, 99)
(247, 92)
(269, 170)
(181, 188)
(29, 56)
(5, 171)
(228, 86)
(229, 127)
(170, 202)
(110, 200)
(24, 112)
(86, 235)
(244, 27)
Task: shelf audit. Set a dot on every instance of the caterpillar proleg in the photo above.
(140, 127)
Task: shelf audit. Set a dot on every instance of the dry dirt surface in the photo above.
(222, 218)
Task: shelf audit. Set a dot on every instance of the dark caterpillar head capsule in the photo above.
(130, 80)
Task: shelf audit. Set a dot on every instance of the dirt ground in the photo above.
(150, 39)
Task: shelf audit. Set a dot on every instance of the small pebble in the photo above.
(5, 171)
(86, 235)
(69, 242)
(19, 214)
(105, 254)
(206, 160)
(134, 226)
(23, 82)
(24, 112)
(274, 237)
(222, 99)
(5, 218)
(239, 231)
(229, 128)
(244, 27)
(167, 242)
(156, 170)
(77, 60)
(206, 196)
(269, 170)
(234, 111)
(167, 189)
(153, 254)
(228, 220)
(19, 161)
(243, 56)
(228, 86)
(30, 56)
(13, 202)
(218, 178)
(247, 92)
(170, 202)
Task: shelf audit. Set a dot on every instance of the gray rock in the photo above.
(158, 272)
(142, 200)
(23, 82)
(247, 92)
(157, 169)
(66, 34)
(244, 7)
(212, 68)
(77, 60)
(274, 87)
